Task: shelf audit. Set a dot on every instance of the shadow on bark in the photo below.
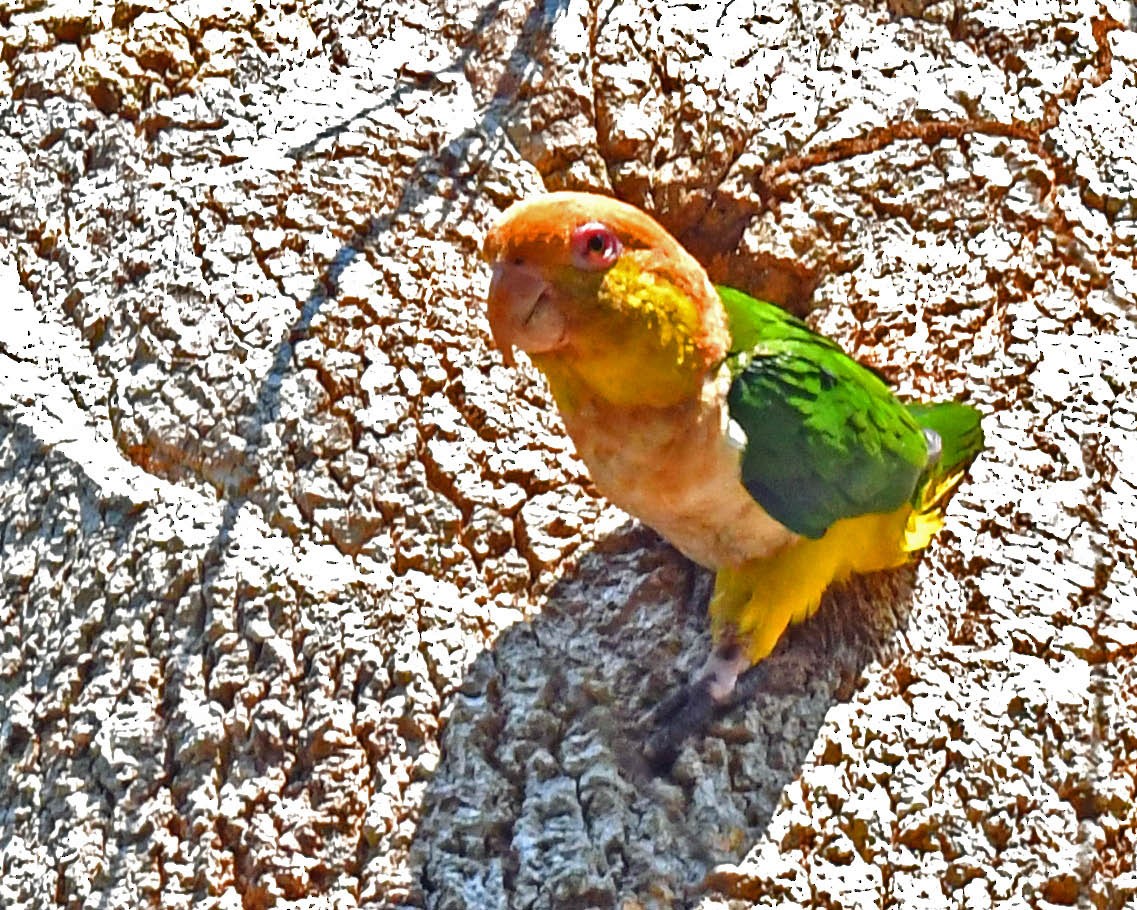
(543, 797)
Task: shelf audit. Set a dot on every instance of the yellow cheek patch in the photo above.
(633, 341)
(652, 305)
(633, 338)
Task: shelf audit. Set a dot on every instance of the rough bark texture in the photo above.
(306, 600)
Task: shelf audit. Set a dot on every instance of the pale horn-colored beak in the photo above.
(522, 311)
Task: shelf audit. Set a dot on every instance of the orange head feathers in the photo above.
(603, 299)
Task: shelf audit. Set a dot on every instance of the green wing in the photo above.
(825, 437)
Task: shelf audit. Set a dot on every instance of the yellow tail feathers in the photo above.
(927, 516)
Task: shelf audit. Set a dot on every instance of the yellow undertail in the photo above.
(755, 602)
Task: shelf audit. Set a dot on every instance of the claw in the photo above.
(689, 710)
(685, 712)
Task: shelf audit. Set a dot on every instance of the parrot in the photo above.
(754, 445)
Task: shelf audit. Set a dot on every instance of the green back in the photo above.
(826, 438)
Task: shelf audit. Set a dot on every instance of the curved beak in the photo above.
(522, 312)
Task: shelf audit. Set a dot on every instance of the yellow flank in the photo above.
(756, 601)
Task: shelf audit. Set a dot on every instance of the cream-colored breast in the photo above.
(677, 470)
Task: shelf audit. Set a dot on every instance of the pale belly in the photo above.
(678, 472)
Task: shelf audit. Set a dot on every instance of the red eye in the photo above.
(594, 247)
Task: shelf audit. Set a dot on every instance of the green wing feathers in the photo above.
(825, 437)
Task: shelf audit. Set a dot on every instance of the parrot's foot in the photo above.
(685, 712)
(689, 710)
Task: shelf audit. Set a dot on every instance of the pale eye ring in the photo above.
(595, 247)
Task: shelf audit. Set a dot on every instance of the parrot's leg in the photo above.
(689, 709)
(722, 669)
(762, 598)
(750, 609)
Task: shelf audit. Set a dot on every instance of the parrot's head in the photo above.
(604, 301)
